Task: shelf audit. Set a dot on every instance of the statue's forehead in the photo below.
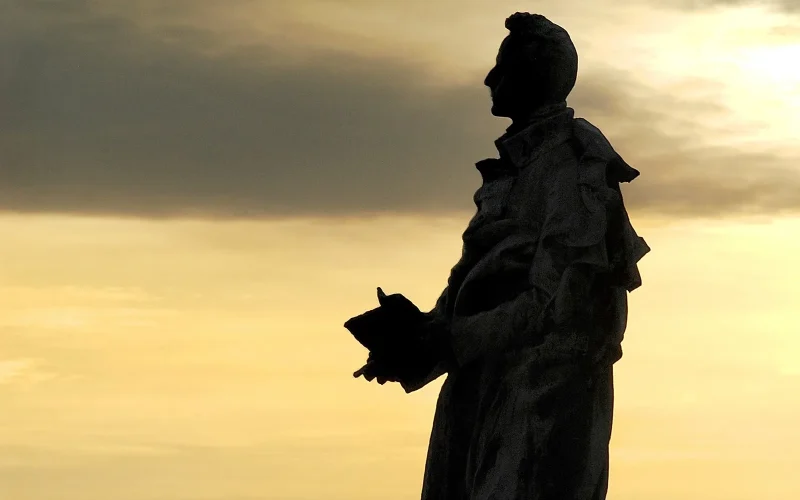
(504, 45)
(509, 45)
(502, 52)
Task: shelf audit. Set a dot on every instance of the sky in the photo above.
(197, 194)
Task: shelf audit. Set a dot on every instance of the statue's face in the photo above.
(509, 83)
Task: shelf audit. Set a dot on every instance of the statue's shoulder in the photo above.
(595, 147)
(591, 140)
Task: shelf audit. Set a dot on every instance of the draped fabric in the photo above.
(536, 311)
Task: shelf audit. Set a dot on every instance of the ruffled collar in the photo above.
(523, 142)
(519, 146)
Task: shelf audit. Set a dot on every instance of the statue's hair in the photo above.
(534, 27)
(549, 50)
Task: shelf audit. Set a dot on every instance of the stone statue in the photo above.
(534, 312)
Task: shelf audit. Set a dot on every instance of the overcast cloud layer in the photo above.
(101, 117)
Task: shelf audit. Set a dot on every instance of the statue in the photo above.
(534, 312)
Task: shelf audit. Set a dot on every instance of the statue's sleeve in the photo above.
(560, 278)
(436, 314)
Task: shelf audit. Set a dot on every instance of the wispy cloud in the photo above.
(791, 6)
(23, 372)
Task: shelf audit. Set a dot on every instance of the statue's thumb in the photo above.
(381, 297)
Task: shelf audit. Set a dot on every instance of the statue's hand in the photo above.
(392, 367)
(400, 308)
(383, 371)
(399, 337)
(413, 359)
(388, 328)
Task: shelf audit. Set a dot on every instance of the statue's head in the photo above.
(537, 65)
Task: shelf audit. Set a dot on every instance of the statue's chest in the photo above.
(521, 198)
(492, 201)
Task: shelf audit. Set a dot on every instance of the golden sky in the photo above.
(196, 195)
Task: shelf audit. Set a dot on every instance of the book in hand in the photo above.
(388, 329)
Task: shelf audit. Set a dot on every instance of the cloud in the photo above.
(106, 118)
(668, 135)
(790, 6)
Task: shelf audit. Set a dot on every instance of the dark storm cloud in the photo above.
(100, 118)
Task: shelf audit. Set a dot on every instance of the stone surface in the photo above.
(533, 315)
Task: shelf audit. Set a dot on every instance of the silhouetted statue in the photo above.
(533, 315)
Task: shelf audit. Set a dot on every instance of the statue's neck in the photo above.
(539, 114)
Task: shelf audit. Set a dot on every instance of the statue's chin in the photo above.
(498, 111)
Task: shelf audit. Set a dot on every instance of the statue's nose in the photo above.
(491, 77)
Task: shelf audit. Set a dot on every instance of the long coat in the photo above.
(536, 309)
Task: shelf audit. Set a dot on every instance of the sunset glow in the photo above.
(196, 195)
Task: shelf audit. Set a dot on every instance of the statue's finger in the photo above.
(360, 371)
(377, 370)
(369, 375)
